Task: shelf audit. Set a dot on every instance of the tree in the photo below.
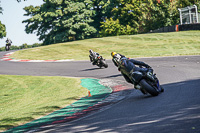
(2, 30)
(135, 16)
(173, 9)
(2, 26)
(154, 15)
(102, 10)
(125, 16)
(113, 28)
(60, 20)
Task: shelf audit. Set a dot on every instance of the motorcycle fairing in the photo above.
(136, 76)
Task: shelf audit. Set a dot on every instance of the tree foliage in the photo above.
(60, 20)
(154, 15)
(143, 16)
(64, 20)
(125, 16)
(23, 46)
(102, 10)
(2, 30)
(140, 16)
(113, 28)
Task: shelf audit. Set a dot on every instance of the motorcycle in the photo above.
(101, 62)
(147, 82)
(7, 47)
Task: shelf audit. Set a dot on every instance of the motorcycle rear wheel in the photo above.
(151, 90)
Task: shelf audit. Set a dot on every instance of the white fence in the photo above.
(189, 15)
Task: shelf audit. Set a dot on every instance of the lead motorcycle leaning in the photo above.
(146, 82)
(97, 59)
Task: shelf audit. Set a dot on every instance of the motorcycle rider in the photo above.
(93, 56)
(8, 44)
(127, 66)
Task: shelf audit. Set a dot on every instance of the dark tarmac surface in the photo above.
(177, 110)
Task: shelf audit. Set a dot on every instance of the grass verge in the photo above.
(24, 98)
(142, 45)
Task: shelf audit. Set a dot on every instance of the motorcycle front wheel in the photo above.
(104, 63)
(7, 48)
(150, 89)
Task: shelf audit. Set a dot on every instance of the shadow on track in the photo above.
(175, 110)
(113, 76)
(91, 69)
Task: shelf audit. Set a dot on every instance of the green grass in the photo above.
(24, 98)
(142, 45)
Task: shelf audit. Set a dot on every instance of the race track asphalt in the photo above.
(177, 110)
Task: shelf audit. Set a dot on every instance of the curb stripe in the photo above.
(7, 58)
(74, 111)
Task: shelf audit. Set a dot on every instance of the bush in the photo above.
(23, 46)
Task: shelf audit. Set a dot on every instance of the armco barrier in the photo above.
(174, 28)
(165, 29)
(185, 27)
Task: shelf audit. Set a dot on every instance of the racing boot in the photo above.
(138, 87)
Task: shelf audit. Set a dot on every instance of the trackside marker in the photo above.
(89, 94)
(177, 28)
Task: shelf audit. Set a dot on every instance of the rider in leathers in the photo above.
(127, 66)
(93, 56)
(8, 44)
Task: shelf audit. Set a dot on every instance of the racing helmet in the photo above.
(116, 58)
(90, 51)
(113, 53)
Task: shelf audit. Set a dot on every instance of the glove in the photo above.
(148, 66)
(123, 58)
